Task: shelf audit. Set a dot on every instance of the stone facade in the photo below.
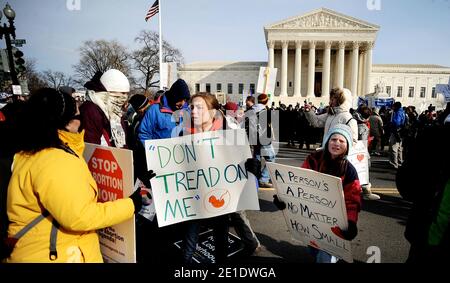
(314, 53)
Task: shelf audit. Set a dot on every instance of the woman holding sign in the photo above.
(206, 116)
(331, 160)
(52, 197)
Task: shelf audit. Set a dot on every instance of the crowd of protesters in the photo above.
(50, 185)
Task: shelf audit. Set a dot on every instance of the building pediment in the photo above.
(323, 19)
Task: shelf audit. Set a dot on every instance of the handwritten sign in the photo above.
(315, 207)
(266, 80)
(112, 169)
(359, 158)
(201, 176)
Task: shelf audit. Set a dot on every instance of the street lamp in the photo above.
(7, 31)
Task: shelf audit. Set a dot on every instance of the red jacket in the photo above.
(350, 183)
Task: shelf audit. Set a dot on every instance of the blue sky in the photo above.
(412, 32)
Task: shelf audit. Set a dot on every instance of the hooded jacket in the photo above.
(61, 183)
(341, 116)
(157, 122)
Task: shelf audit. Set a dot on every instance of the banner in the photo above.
(359, 158)
(201, 176)
(266, 80)
(315, 207)
(445, 90)
(112, 169)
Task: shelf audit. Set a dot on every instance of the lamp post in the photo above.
(7, 31)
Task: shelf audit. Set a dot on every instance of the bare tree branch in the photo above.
(146, 59)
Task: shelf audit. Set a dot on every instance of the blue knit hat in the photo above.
(343, 130)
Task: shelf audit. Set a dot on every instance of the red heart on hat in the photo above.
(360, 157)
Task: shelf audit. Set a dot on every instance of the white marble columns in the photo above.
(271, 54)
(355, 65)
(359, 70)
(368, 68)
(326, 69)
(298, 69)
(311, 68)
(340, 66)
(284, 67)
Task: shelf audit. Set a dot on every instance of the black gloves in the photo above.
(137, 200)
(281, 205)
(253, 166)
(348, 234)
(145, 178)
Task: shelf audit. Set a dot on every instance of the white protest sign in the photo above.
(266, 80)
(445, 90)
(359, 158)
(201, 176)
(17, 89)
(112, 169)
(315, 207)
(168, 74)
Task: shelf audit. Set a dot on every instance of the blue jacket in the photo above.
(157, 122)
(398, 118)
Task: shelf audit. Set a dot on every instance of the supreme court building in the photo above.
(314, 53)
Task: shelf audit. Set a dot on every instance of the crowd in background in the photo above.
(55, 120)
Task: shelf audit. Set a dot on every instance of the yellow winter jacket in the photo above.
(62, 184)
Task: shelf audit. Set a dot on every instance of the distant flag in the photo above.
(154, 9)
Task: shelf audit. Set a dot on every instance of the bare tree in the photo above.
(31, 75)
(146, 59)
(57, 79)
(101, 55)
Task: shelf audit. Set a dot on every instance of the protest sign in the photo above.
(315, 207)
(359, 158)
(148, 206)
(201, 176)
(204, 252)
(266, 80)
(112, 169)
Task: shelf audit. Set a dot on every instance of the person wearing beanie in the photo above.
(158, 121)
(339, 113)
(52, 185)
(162, 120)
(101, 114)
(331, 160)
(139, 104)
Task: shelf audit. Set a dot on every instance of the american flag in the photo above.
(154, 9)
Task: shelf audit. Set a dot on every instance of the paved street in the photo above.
(381, 223)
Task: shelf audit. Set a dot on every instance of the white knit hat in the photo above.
(115, 80)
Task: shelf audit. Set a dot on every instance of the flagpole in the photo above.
(160, 45)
